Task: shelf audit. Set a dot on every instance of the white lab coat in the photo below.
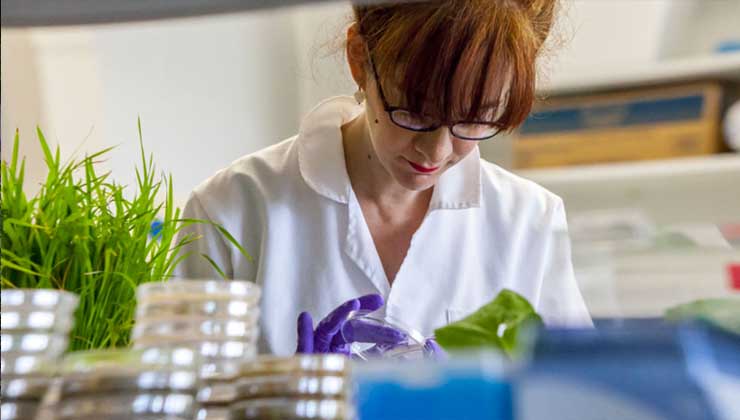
(292, 207)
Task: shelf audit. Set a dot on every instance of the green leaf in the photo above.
(497, 325)
(14, 159)
(229, 237)
(721, 312)
(215, 266)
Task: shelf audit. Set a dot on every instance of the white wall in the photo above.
(319, 34)
(21, 103)
(208, 91)
(697, 27)
(606, 32)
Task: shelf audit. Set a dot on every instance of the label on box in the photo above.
(733, 273)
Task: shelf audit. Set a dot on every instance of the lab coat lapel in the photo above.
(322, 166)
(360, 248)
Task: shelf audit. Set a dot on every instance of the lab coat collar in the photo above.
(320, 149)
(460, 186)
(322, 165)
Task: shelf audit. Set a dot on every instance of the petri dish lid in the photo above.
(284, 385)
(319, 364)
(128, 417)
(210, 350)
(213, 413)
(59, 301)
(35, 319)
(52, 345)
(20, 410)
(128, 380)
(236, 308)
(24, 387)
(412, 348)
(134, 405)
(113, 360)
(289, 408)
(175, 329)
(197, 289)
(27, 364)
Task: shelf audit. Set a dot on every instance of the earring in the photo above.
(359, 96)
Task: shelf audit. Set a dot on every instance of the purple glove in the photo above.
(328, 337)
(434, 351)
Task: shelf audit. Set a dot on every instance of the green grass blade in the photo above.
(215, 266)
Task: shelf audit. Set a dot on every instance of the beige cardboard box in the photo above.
(637, 125)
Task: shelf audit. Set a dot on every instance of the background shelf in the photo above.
(718, 67)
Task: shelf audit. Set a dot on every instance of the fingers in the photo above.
(329, 326)
(358, 330)
(327, 336)
(338, 345)
(371, 302)
(431, 348)
(305, 334)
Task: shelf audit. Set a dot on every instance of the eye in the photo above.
(411, 120)
(475, 131)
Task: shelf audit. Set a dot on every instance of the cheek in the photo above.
(391, 140)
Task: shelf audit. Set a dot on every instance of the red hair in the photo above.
(451, 59)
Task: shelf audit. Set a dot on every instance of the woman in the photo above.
(386, 194)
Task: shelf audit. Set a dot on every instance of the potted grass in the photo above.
(85, 233)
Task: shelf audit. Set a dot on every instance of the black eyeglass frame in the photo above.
(391, 109)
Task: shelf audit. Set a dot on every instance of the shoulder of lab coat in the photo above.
(235, 199)
(535, 218)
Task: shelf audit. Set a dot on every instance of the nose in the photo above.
(435, 145)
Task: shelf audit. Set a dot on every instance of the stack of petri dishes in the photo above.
(35, 330)
(218, 319)
(143, 384)
(298, 387)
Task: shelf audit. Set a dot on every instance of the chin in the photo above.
(417, 182)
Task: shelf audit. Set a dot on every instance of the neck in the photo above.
(370, 180)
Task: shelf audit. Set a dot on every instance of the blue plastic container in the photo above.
(637, 369)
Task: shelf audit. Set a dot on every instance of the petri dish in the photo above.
(41, 343)
(100, 361)
(292, 386)
(128, 380)
(318, 364)
(26, 364)
(282, 385)
(213, 413)
(413, 348)
(216, 357)
(128, 417)
(134, 405)
(59, 301)
(194, 329)
(24, 319)
(198, 289)
(290, 408)
(236, 308)
(211, 349)
(24, 387)
(18, 410)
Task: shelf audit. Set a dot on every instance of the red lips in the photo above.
(422, 169)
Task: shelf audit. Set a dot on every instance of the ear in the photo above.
(357, 55)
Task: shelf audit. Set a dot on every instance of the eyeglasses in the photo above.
(464, 130)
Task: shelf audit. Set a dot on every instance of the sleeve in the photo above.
(206, 240)
(561, 302)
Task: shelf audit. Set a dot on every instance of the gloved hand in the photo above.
(434, 351)
(328, 338)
